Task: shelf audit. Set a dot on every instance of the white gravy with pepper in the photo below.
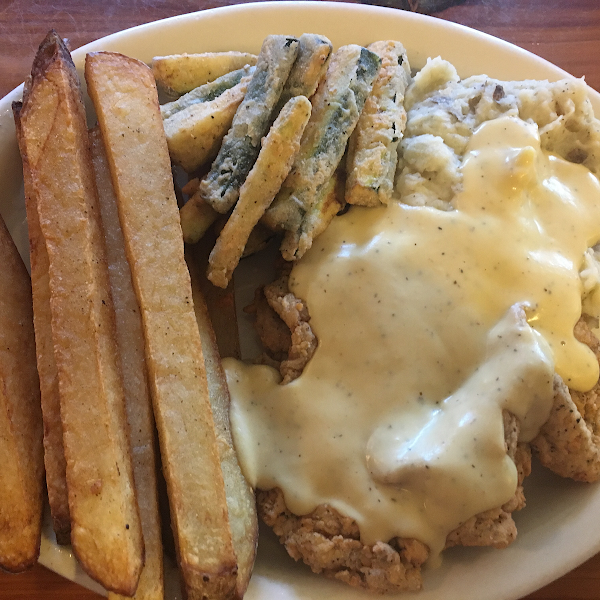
(430, 323)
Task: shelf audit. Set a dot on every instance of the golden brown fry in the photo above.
(54, 453)
(240, 496)
(279, 149)
(130, 338)
(21, 454)
(219, 302)
(124, 95)
(106, 533)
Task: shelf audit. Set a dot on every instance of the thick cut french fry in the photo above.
(130, 338)
(54, 452)
(105, 527)
(126, 101)
(181, 73)
(279, 148)
(240, 496)
(21, 454)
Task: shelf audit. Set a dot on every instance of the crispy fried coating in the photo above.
(294, 313)
(496, 527)
(569, 441)
(330, 544)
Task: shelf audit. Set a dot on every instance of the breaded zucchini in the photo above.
(196, 217)
(181, 73)
(373, 146)
(220, 188)
(329, 203)
(308, 70)
(206, 92)
(194, 134)
(336, 108)
(273, 164)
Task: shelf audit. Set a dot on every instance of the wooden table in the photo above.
(566, 32)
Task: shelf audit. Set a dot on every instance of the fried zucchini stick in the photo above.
(105, 526)
(130, 338)
(240, 496)
(206, 92)
(194, 134)
(277, 154)
(220, 188)
(126, 102)
(373, 145)
(330, 201)
(196, 217)
(181, 73)
(336, 108)
(54, 452)
(21, 453)
(308, 69)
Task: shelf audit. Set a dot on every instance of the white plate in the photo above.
(560, 528)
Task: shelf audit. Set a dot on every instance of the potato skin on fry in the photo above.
(130, 339)
(124, 94)
(241, 504)
(106, 532)
(21, 454)
(54, 452)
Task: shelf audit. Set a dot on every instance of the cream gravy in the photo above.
(430, 323)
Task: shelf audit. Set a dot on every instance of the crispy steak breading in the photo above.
(496, 527)
(329, 542)
(282, 322)
(569, 441)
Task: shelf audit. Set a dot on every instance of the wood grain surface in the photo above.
(566, 32)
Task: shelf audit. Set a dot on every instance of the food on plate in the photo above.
(451, 339)
(373, 145)
(124, 95)
(105, 527)
(196, 218)
(240, 147)
(279, 149)
(336, 108)
(130, 339)
(54, 453)
(181, 73)
(449, 322)
(241, 503)
(308, 69)
(21, 452)
(207, 92)
(194, 133)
